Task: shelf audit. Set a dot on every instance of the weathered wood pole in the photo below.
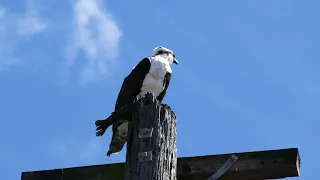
(151, 146)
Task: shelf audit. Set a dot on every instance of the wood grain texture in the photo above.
(160, 148)
(259, 165)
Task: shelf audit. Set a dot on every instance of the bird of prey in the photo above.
(152, 74)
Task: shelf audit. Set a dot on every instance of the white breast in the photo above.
(153, 82)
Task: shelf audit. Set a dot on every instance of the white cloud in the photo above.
(96, 34)
(12, 27)
(92, 44)
(31, 23)
(7, 58)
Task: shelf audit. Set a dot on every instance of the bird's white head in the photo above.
(160, 50)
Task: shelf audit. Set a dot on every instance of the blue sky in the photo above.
(247, 78)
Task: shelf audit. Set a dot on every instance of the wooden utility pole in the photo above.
(151, 146)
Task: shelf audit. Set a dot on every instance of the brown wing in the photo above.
(131, 86)
(166, 83)
(132, 83)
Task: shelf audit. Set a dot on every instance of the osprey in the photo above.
(152, 74)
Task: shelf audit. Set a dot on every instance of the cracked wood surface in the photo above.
(153, 156)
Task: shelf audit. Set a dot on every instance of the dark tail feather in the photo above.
(102, 125)
(109, 153)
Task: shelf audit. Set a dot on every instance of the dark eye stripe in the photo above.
(161, 52)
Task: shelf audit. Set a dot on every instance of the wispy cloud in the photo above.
(96, 34)
(7, 57)
(12, 27)
(91, 47)
(31, 23)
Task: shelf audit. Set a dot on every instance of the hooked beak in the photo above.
(175, 61)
